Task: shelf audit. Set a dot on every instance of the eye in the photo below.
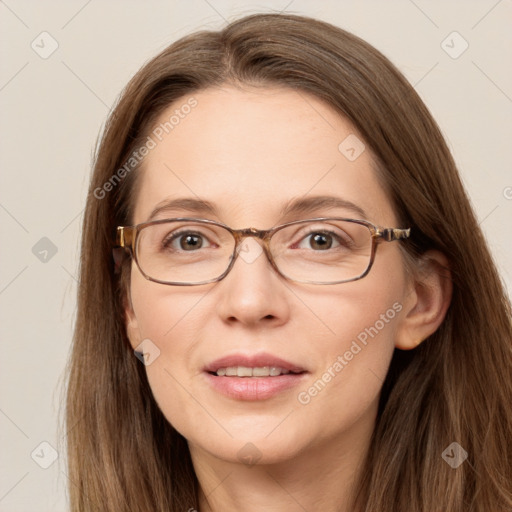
(318, 241)
(323, 240)
(185, 240)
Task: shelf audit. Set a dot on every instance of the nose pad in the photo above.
(250, 250)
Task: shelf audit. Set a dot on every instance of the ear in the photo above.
(427, 302)
(131, 323)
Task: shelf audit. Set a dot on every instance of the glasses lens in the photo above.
(184, 251)
(192, 252)
(326, 251)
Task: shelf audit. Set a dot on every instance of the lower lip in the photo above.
(253, 388)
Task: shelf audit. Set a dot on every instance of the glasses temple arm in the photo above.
(390, 234)
(123, 246)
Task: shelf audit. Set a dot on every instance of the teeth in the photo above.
(244, 371)
(261, 372)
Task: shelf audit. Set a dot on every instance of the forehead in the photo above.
(250, 151)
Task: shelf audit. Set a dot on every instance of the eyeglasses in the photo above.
(187, 251)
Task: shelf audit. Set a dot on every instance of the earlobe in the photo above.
(426, 305)
(132, 326)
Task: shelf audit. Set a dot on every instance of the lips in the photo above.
(253, 361)
(273, 376)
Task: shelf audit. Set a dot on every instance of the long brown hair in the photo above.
(123, 455)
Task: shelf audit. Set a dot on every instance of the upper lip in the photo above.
(252, 361)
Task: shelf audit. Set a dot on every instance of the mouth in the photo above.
(259, 371)
(257, 377)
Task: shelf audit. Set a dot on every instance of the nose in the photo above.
(252, 291)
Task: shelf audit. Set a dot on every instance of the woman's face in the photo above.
(250, 153)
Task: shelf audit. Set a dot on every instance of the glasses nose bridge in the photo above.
(262, 234)
(240, 234)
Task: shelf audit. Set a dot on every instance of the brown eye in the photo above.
(184, 241)
(320, 241)
(323, 241)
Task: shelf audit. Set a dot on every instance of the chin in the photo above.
(254, 447)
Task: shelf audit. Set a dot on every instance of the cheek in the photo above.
(361, 320)
(164, 311)
(356, 352)
(168, 320)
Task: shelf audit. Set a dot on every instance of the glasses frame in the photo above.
(127, 238)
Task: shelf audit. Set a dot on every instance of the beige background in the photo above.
(53, 110)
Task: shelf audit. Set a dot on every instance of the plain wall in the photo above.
(53, 109)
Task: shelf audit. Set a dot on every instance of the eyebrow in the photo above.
(294, 207)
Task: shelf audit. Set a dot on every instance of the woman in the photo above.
(350, 352)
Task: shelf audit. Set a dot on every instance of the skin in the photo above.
(249, 151)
